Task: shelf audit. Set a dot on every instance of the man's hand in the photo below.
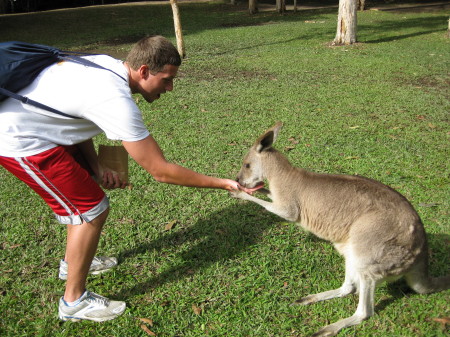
(234, 187)
(111, 179)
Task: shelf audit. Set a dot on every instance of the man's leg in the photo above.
(78, 303)
(82, 242)
(75, 199)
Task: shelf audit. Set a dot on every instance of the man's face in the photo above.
(156, 84)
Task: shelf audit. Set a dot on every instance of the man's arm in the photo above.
(90, 156)
(105, 176)
(148, 154)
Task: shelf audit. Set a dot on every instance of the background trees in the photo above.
(17, 6)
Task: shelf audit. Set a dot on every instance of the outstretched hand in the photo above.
(234, 186)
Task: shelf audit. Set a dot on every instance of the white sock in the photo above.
(76, 302)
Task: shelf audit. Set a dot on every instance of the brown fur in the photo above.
(373, 226)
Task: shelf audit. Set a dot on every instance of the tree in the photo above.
(448, 31)
(281, 6)
(253, 6)
(178, 31)
(346, 25)
(361, 5)
(3, 6)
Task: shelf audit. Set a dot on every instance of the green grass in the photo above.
(379, 108)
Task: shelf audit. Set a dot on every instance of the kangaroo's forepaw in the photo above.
(237, 194)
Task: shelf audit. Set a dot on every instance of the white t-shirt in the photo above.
(102, 99)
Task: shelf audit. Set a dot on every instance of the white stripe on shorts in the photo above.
(25, 164)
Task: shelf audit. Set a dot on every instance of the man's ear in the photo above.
(144, 71)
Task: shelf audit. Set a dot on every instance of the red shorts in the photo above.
(65, 185)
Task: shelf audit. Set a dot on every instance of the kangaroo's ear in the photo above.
(266, 140)
(276, 129)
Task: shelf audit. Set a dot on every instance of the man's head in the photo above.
(153, 63)
(155, 52)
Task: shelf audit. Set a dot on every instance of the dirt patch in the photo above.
(441, 83)
(117, 47)
(208, 74)
(242, 24)
(130, 39)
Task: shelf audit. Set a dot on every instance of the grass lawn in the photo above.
(379, 108)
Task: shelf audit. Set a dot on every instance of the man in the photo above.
(41, 148)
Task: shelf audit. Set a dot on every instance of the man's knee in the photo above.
(101, 218)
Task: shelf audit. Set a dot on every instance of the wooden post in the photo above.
(178, 31)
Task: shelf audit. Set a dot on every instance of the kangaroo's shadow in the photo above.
(219, 237)
(226, 233)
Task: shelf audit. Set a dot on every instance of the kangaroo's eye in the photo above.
(247, 166)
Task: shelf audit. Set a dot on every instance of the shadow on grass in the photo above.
(405, 36)
(219, 237)
(225, 234)
(427, 25)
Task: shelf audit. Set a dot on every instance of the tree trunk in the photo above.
(3, 6)
(346, 26)
(448, 31)
(253, 6)
(280, 6)
(178, 31)
(361, 5)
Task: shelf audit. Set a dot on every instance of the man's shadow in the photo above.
(219, 237)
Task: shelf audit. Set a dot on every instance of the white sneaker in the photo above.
(91, 307)
(100, 264)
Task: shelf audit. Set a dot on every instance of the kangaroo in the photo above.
(374, 227)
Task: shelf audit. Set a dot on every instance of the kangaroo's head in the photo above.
(253, 173)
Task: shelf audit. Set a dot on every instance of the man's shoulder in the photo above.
(107, 61)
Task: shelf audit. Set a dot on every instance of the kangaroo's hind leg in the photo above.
(349, 286)
(364, 310)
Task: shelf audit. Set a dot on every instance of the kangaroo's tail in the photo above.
(419, 280)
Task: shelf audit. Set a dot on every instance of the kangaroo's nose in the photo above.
(237, 179)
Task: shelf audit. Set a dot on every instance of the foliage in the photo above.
(224, 267)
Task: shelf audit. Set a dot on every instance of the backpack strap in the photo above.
(26, 100)
(69, 56)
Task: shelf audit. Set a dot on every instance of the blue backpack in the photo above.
(21, 63)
